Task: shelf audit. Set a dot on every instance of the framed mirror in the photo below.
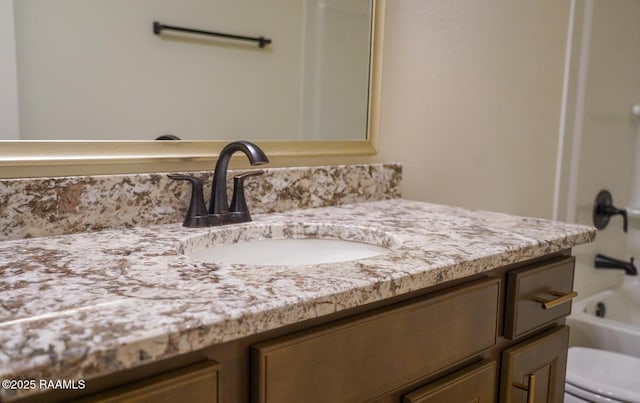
(55, 121)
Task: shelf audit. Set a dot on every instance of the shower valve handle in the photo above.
(611, 211)
(603, 209)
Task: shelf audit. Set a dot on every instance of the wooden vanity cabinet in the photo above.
(483, 341)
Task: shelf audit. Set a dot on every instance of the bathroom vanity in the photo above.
(465, 305)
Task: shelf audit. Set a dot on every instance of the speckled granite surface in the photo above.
(40, 207)
(84, 305)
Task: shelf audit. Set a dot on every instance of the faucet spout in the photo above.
(219, 203)
(606, 262)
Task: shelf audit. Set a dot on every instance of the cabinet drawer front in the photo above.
(196, 383)
(361, 358)
(543, 357)
(475, 384)
(528, 287)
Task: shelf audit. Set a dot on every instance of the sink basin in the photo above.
(289, 251)
(288, 244)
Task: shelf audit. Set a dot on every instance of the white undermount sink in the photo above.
(288, 244)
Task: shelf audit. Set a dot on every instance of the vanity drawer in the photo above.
(537, 296)
(359, 359)
(474, 384)
(195, 383)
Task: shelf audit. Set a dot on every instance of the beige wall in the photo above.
(9, 127)
(471, 100)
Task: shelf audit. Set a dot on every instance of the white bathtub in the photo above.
(619, 329)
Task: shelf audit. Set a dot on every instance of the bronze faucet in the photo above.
(219, 212)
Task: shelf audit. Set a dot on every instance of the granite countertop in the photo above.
(84, 305)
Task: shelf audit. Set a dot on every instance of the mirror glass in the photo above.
(95, 70)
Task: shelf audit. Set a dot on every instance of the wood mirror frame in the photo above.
(20, 158)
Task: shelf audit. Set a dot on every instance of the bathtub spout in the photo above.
(606, 262)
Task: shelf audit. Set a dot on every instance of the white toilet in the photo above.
(601, 376)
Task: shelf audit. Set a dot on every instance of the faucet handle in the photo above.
(603, 209)
(238, 202)
(197, 215)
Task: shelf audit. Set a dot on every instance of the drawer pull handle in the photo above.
(561, 299)
(530, 389)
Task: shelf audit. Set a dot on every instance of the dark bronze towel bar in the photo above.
(158, 28)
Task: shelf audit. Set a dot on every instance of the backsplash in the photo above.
(37, 207)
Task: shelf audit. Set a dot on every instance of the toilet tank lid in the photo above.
(604, 372)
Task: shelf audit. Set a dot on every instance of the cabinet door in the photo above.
(534, 371)
(476, 384)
